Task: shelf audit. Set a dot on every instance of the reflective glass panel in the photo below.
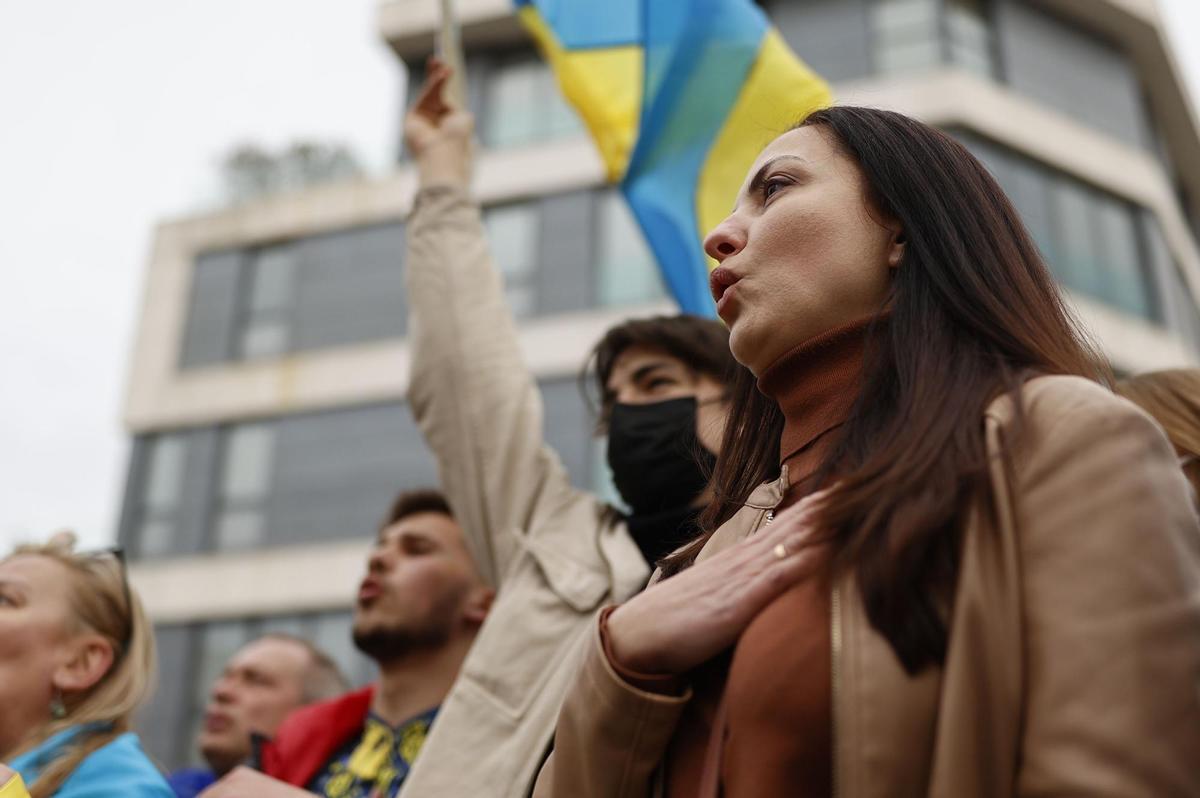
(906, 35)
(249, 456)
(1123, 279)
(513, 105)
(524, 104)
(240, 529)
(626, 268)
(164, 472)
(969, 36)
(154, 537)
(1076, 260)
(264, 339)
(272, 278)
(513, 233)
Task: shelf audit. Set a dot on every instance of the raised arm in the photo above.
(471, 393)
(1110, 552)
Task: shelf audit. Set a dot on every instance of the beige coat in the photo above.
(1074, 650)
(555, 553)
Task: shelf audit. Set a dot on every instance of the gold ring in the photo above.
(780, 551)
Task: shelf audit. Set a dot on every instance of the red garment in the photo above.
(312, 735)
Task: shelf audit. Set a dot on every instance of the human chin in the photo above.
(746, 344)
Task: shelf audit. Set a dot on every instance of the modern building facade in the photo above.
(266, 393)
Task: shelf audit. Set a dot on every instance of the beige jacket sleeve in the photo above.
(610, 737)
(1110, 556)
(471, 393)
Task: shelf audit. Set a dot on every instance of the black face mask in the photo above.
(658, 464)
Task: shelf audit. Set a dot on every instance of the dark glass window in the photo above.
(212, 316)
(1072, 70)
(161, 493)
(165, 722)
(832, 36)
(968, 32)
(907, 35)
(1059, 63)
(1180, 306)
(848, 39)
(626, 270)
(246, 471)
(560, 253)
(512, 232)
(302, 478)
(320, 291)
(522, 103)
(266, 327)
(1092, 240)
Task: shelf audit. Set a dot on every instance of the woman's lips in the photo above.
(726, 298)
(720, 280)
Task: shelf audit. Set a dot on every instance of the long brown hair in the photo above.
(1172, 397)
(101, 602)
(972, 312)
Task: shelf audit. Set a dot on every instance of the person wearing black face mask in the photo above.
(557, 555)
(660, 468)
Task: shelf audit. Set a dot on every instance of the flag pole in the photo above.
(449, 46)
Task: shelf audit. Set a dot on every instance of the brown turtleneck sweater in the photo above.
(760, 722)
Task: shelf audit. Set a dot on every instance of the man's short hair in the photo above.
(702, 344)
(413, 502)
(322, 677)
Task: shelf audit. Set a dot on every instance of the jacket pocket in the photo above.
(545, 606)
(581, 588)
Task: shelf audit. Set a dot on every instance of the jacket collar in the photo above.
(30, 763)
(768, 495)
(310, 736)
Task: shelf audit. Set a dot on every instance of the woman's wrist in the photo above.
(444, 163)
(636, 673)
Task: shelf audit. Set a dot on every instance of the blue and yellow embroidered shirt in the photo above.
(376, 764)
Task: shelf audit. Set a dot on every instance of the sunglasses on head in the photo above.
(116, 554)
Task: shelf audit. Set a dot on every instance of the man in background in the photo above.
(417, 613)
(260, 685)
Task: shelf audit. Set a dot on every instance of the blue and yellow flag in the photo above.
(680, 97)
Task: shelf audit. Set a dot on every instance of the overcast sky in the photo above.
(114, 115)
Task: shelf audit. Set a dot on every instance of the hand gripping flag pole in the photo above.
(449, 47)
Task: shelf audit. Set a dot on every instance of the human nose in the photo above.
(222, 691)
(726, 239)
(377, 563)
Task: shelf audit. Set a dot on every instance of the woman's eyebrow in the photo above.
(14, 583)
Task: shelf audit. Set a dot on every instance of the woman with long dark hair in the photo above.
(943, 559)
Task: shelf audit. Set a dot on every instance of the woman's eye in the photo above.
(772, 187)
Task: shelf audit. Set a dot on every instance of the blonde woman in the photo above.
(76, 660)
(1172, 398)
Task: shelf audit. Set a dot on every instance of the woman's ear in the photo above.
(896, 248)
(90, 656)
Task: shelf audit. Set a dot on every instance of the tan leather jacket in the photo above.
(1074, 659)
(555, 553)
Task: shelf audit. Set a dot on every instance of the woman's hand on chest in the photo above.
(685, 620)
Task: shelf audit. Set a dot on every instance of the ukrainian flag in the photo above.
(680, 97)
